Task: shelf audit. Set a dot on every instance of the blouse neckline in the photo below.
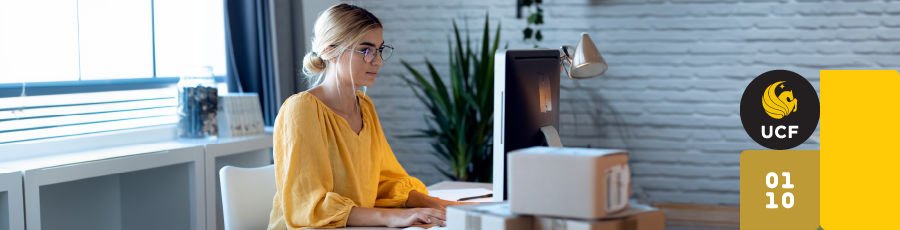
(346, 124)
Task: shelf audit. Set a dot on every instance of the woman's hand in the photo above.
(396, 218)
(420, 200)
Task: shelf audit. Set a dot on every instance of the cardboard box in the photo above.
(636, 217)
(486, 216)
(568, 182)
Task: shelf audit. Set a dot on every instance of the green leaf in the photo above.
(438, 83)
(442, 152)
(460, 56)
(448, 175)
(538, 18)
(428, 90)
(527, 2)
(485, 51)
(486, 90)
(532, 18)
(471, 100)
(538, 36)
(412, 85)
(528, 32)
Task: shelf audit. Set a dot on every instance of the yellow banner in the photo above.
(860, 149)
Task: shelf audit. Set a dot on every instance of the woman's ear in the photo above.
(331, 60)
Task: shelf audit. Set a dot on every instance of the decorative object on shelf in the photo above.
(197, 103)
(535, 18)
(461, 120)
(240, 115)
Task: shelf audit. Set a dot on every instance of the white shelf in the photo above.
(144, 186)
(167, 184)
(62, 159)
(12, 212)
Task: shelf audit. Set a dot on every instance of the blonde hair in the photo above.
(340, 26)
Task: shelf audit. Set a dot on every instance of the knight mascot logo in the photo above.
(779, 105)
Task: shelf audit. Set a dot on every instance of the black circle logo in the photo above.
(780, 109)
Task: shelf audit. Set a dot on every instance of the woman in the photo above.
(334, 167)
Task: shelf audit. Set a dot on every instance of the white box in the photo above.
(568, 182)
(486, 216)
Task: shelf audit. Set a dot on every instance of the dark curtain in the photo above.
(249, 51)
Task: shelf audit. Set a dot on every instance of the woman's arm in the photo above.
(420, 200)
(394, 218)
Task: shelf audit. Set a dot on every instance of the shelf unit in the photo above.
(245, 152)
(143, 186)
(166, 183)
(12, 210)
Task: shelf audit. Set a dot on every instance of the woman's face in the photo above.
(352, 65)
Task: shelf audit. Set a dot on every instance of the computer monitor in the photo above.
(526, 98)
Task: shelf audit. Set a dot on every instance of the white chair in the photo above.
(247, 196)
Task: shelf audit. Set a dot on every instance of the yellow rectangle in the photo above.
(860, 155)
(780, 189)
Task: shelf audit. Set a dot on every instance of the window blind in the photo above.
(41, 117)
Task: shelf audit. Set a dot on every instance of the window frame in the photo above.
(88, 86)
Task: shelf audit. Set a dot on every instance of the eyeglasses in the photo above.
(369, 53)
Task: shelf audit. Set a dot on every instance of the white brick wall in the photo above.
(677, 72)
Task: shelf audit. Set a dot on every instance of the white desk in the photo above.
(12, 212)
(439, 186)
(146, 186)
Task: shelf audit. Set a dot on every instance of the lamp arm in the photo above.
(566, 58)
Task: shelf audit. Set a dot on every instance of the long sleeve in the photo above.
(394, 184)
(303, 171)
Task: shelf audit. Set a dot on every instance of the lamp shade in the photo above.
(584, 60)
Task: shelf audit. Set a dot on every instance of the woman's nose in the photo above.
(377, 60)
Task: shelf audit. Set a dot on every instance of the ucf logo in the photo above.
(778, 105)
(783, 125)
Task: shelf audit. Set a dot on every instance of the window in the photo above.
(71, 67)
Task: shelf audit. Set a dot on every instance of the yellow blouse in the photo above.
(323, 168)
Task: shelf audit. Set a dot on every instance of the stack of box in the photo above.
(486, 216)
(562, 189)
(635, 217)
(240, 115)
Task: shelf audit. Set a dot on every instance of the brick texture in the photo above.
(677, 71)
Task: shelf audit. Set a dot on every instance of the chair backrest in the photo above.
(247, 196)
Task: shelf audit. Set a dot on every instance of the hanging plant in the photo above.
(535, 19)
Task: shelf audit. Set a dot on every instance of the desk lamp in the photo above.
(584, 61)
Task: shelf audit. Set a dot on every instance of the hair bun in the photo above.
(313, 64)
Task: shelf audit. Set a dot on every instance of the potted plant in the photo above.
(460, 118)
